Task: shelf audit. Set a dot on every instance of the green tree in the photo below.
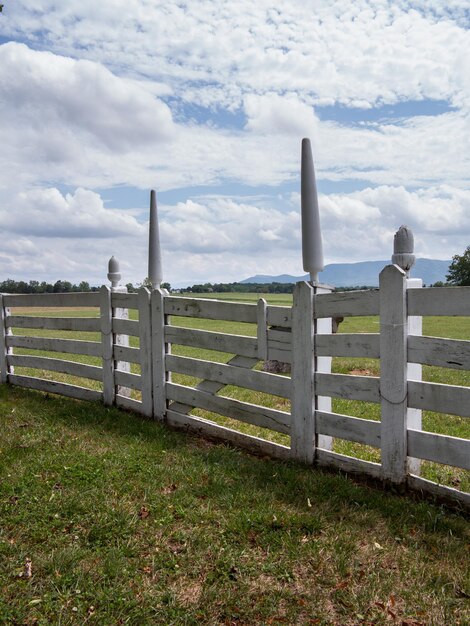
(459, 269)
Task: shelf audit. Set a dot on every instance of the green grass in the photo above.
(127, 522)
(458, 328)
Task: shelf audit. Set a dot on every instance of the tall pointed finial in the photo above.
(114, 275)
(403, 248)
(155, 256)
(312, 249)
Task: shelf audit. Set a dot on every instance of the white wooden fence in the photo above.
(300, 335)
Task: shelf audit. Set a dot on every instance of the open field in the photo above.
(458, 328)
(110, 519)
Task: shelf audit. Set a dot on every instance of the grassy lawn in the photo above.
(109, 519)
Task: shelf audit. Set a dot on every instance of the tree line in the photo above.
(34, 286)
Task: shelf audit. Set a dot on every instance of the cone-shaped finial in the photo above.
(312, 249)
(403, 247)
(114, 276)
(155, 257)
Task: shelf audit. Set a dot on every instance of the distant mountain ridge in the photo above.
(363, 273)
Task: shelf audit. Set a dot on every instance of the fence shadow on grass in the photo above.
(246, 480)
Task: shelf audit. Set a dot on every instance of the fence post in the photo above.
(393, 373)
(415, 372)
(5, 369)
(159, 350)
(145, 344)
(106, 315)
(323, 326)
(262, 329)
(114, 276)
(303, 374)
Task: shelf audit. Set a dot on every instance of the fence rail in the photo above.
(134, 367)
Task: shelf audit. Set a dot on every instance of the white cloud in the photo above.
(217, 51)
(83, 106)
(47, 213)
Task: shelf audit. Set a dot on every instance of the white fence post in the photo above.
(5, 369)
(159, 350)
(106, 314)
(145, 344)
(303, 374)
(415, 372)
(114, 277)
(393, 373)
(262, 329)
(323, 326)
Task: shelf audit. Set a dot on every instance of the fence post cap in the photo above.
(114, 275)
(403, 248)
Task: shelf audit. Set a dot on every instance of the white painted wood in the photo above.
(439, 448)
(326, 458)
(72, 346)
(280, 346)
(106, 314)
(452, 301)
(229, 375)
(211, 309)
(322, 327)
(221, 342)
(125, 300)
(155, 269)
(80, 324)
(365, 388)
(348, 427)
(65, 300)
(348, 303)
(125, 326)
(124, 402)
(123, 353)
(414, 372)
(279, 316)
(50, 386)
(119, 320)
(303, 378)
(5, 369)
(439, 398)
(56, 365)
(211, 430)
(393, 372)
(211, 386)
(262, 330)
(159, 350)
(249, 413)
(145, 342)
(349, 345)
(441, 491)
(451, 353)
(127, 380)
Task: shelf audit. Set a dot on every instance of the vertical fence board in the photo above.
(145, 342)
(393, 372)
(303, 375)
(262, 329)
(121, 340)
(323, 326)
(159, 374)
(106, 315)
(415, 372)
(4, 368)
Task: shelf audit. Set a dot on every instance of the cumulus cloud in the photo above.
(215, 52)
(48, 213)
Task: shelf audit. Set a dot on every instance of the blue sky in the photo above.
(207, 102)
